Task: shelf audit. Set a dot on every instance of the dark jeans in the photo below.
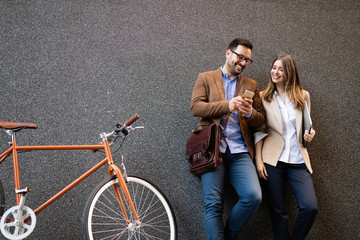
(240, 171)
(299, 179)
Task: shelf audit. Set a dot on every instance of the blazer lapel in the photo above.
(275, 106)
(240, 88)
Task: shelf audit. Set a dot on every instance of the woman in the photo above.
(280, 154)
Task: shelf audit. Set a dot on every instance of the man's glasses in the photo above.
(242, 57)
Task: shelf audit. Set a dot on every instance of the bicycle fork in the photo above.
(114, 169)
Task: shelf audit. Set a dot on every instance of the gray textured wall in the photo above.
(75, 68)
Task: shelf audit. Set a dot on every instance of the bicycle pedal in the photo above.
(22, 191)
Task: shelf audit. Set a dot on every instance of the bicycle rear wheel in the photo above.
(2, 199)
(103, 218)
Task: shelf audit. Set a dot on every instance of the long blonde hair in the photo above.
(292, 80)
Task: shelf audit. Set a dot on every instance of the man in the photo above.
(212, 99)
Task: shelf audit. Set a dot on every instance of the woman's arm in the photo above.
(260, 167)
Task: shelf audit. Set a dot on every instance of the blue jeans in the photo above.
(299, 179)
(240, 171)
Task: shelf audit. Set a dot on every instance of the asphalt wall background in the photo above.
(76, 68)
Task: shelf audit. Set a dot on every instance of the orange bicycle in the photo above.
(120, 207)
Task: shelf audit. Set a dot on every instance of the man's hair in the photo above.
(240, 41)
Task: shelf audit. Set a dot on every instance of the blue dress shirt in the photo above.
(233, 136)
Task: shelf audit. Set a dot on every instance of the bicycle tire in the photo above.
(2, 199)
(103, 218)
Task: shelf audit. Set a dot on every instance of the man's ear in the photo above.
(227, 53)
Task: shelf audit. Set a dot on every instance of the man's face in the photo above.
(233, 65)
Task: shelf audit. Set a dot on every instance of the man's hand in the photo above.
(241, 104)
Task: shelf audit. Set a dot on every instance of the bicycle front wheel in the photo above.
(104, 219)
(2, 199)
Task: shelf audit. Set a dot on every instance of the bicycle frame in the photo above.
(112, 169)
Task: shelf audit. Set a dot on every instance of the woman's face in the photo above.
(277, 73)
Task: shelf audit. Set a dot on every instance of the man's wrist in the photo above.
(248, 116)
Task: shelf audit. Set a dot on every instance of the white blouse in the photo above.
(291, 152)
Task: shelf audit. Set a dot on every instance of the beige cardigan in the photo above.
(274, 141)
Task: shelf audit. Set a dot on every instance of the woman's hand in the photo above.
(261, 170)
(309, 136)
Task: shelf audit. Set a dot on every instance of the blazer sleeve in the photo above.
(206, 101)
(261, 132)
(257, 118)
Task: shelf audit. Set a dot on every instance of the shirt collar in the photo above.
(225, 76)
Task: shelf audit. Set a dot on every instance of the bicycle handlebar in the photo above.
(124, 129)
(131, 120)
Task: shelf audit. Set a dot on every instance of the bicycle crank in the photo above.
(17, 225)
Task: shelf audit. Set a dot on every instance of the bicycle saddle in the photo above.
(16, 125)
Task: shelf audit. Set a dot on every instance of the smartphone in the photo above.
(248, 94)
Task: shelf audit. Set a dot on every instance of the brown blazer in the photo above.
(274, 142)
(208, 102)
